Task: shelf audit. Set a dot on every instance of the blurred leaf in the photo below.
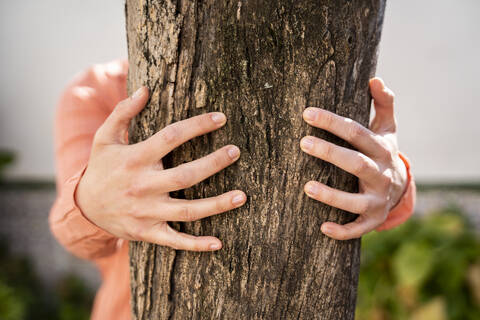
(447, 223)
(405, 269)
(473, 277)
(433, 310)
(23, 296)
(6, 158)
(70, 311)
(11, 305)
(408, 294)
(412, 263)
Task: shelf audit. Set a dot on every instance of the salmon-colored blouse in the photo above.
(83, 107)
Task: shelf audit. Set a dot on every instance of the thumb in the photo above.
(383, 100)
(114, 128)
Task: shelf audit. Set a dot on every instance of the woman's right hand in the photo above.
(125, 190)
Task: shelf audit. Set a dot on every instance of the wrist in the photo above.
(81, 197)
(404, 177)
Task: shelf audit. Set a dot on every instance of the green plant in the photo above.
(6, 158)
(424, 269)
(23, 296)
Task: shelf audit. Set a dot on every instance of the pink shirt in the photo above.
(83, 107)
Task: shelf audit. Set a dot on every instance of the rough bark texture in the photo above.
(261, 63)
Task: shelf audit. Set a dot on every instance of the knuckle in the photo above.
(136, 213)
(170, 134)
(173, 244)
(349, 233)
(186, 214)
(384, 150)
(137, 232)
(387, 156)
(342, 235)
(182, 177)
(364, 206)
(204, 122)
(386, 179)
(222, 204)
(362, 165)
(354, 131)
(196, 246)
(329, 197)
(98, 137)
(136, 189)
(120, 108)
(218, 160)
(133, 161)
(121, 112)
(328, 119)
(328, 150)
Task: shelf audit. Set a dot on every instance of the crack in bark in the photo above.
(273, 249)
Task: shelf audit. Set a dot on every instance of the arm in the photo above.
(109, 189)
(404, 209)
(386, 195)
(83, 107)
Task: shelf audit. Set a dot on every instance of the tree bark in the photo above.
(261, 63)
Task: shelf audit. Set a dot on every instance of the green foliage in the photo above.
(12, 306)
(6, 158)
(23, 297)
(424, 269)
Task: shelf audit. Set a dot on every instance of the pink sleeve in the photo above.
(404, 208)
(82, 108)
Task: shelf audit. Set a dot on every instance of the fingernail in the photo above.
(310, 114)
(306, 143)
(218, 117)
(311, 188)
(238, 199)
(137, 94)
(326, 229)
(381, 82)
(233, 152)
(214, 246)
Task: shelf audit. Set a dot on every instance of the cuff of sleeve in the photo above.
(404, 208)
(82, 232)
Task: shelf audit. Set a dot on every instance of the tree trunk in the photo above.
(261, 63)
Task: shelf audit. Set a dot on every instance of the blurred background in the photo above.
(427, 269)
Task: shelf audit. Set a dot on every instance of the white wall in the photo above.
(42, 45)
(429, 56)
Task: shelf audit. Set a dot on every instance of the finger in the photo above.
(383, 100)
(180, 132)
(349, 160)
(167, 236)
(351, 230)
(351, 202)
(190, 173)
(114, 128)
(192, 210)
(345, 128)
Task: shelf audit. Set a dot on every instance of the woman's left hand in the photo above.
(382, 174)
